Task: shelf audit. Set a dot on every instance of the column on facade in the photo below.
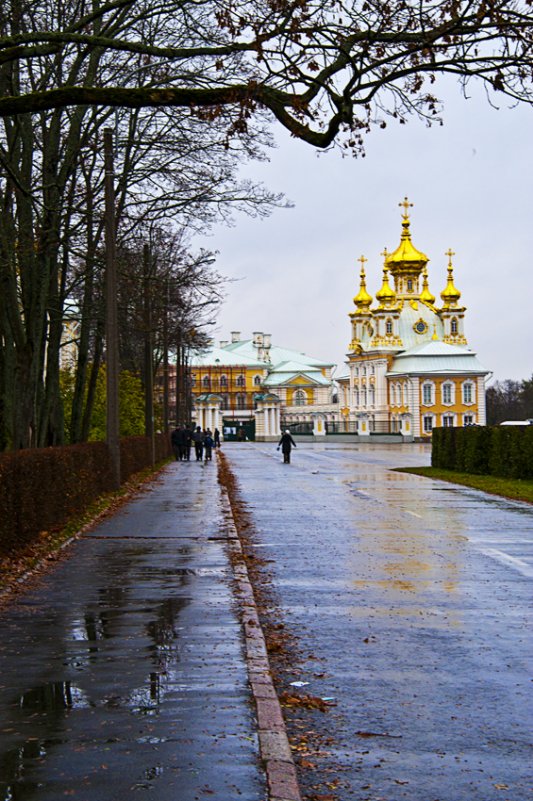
(481, 401)
(266, 420)
(414, 404)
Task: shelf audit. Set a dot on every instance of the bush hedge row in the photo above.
(42, 488)
(505, 451)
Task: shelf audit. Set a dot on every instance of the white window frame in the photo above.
(240, 381)
(445, 386)
(257, 380)
(428, 418)
(299, 398)
(446, 418)
(389, 327)
(471, 419)
(454, 326)
(472, 386)
(428, 385)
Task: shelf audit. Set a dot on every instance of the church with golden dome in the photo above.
(410, 367)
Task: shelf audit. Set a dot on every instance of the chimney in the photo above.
(235, 336)
(223, 343)
(258, 339)
(267, 340)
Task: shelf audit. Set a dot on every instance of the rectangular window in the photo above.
(468, 394)
(428, 424)
(468, 420)
(447, 420)
(427, 394)
(447, 393)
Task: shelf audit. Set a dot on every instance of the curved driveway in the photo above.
(413, 595)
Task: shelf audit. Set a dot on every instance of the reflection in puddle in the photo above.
(50, 704)
(54, 697)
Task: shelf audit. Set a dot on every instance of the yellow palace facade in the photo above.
(410, 367)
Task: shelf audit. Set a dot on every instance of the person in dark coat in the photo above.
(174, 438)
(198, 439)
(208, 445)
(217, 438)
(286, 443)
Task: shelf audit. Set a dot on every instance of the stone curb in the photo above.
(274, 745)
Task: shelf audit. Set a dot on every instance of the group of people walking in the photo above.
(204, 440)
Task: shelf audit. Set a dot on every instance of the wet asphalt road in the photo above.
(413, 595)
(121, 670)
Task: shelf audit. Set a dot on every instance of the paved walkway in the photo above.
(122, 671)
(410, 601)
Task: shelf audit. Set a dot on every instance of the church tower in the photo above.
(409, 365)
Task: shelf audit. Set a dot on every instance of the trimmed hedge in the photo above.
(505, 451)
(42, 488)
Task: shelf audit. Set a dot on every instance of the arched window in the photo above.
(257, 380)
(372, 393)
(388, 327)
(241, 401)
(363, 397)
(356, 397)
(454, 325)
(240, 381)
(300, 398)
(409, 285)
(206, 382)
(404, 393)
(223, 381)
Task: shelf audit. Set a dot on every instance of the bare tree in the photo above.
(317, 66)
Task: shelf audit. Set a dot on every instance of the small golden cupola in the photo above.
(386, 296)
(406, 262)
(450, 295)
(363, 300)
(426, 296)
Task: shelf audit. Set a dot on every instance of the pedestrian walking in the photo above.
(174, 437)
(286, 443)
(198, 439)
(208, 445)
(217, 438)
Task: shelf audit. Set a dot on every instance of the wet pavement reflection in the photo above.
(121, 670)
(410, 599)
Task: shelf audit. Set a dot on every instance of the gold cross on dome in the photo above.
(406, 206)
(385, 253)
(450, 253)
(362, 259)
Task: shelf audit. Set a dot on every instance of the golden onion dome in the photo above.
(362, 300)
(450, 295)
(386, 295)
(406, 254)
(426, 296)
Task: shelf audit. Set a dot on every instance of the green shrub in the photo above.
(505, 451)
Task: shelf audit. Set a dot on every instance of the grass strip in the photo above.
(514, 488)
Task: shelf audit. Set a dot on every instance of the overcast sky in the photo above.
(471, 183)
